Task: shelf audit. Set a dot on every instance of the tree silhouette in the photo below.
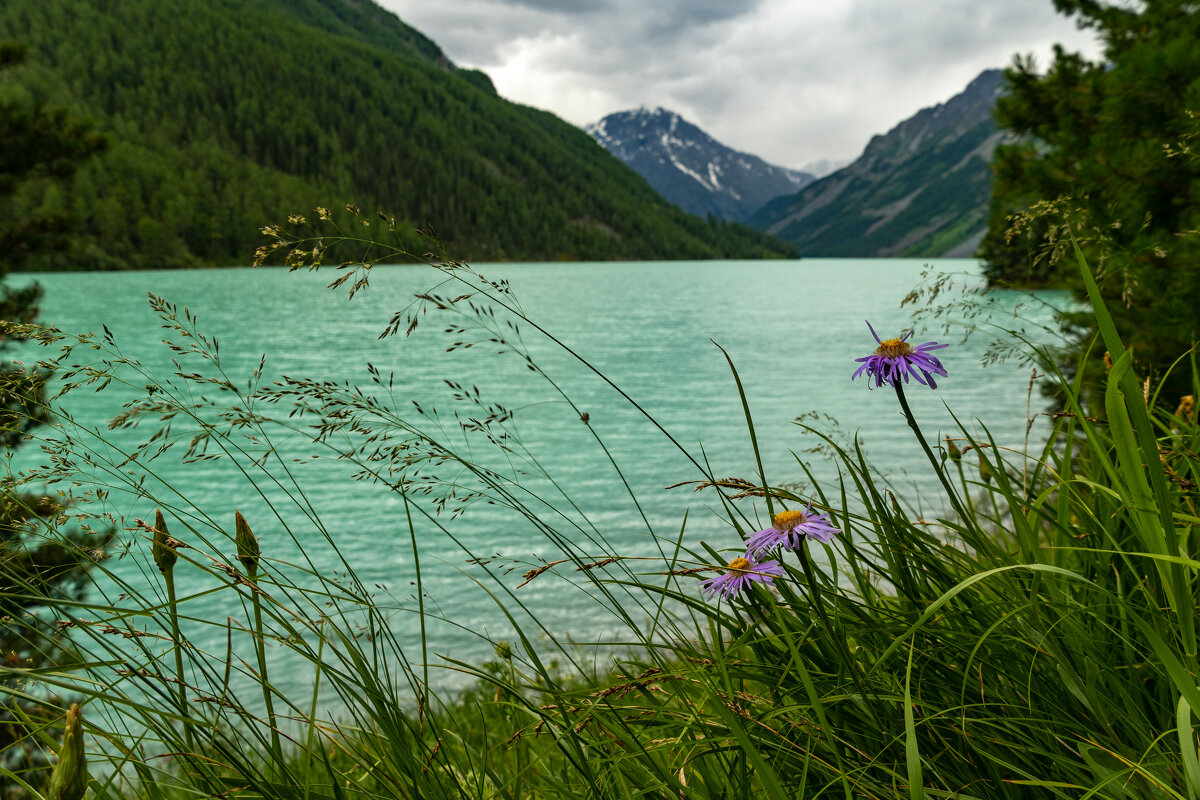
(36, 142)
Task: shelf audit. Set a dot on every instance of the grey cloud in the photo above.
(941, 31)
(475, 31)
(789, 80)
(667, 16)
(681, 13)
(563, 7)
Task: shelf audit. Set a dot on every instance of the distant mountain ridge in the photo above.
(227, 115)
(920, 190)
(690, 168)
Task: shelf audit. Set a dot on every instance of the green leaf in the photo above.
(912, 754)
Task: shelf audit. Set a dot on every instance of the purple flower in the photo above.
(740, 573)
(790, 529)
(896, 358)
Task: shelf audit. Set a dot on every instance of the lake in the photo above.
(793, 330)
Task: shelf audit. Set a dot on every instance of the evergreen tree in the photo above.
(1103, 146)
(35, 141)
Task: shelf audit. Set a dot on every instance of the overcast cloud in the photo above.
(792, 81)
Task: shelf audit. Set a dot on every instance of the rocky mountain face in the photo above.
(920, 190)
(690, 168)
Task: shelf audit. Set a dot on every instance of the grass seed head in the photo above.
(70, 779)
(247, 544)
(164, 555)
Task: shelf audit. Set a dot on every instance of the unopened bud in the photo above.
(70, 779)
(164, 555)
(952, 450)
(247, 545)
(503, 650)
(986, 473)
(1108, 362)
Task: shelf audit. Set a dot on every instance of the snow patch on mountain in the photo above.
(690, 168)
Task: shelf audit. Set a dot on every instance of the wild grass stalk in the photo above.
(1039, 642)
(248, 553)
(165, 557)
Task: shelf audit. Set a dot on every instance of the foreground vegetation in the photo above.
(1037, 639)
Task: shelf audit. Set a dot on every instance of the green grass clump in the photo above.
(1037, 639)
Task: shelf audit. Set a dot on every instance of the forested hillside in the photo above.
(920, 190)
(225, 115)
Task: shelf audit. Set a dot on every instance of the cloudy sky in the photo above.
(792, 81)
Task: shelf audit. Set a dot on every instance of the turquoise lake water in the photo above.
(793, 329)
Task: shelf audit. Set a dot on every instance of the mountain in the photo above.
(690, 168)
(920, 190)
(226, 115)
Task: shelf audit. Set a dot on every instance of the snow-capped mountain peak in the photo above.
(689, 167)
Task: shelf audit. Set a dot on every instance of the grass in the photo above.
(1036, 640)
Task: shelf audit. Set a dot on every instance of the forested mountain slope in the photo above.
(225, 115)
(920, 190)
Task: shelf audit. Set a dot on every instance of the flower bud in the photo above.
(70, 779)
(164, 556)
(952, 450)
(503, 650)
(247, 545)
(986, 473)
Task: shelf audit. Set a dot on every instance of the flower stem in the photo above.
(937, 467)
(177, 642)
(810, 577)
(261, 650)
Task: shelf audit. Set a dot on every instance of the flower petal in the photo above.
(873, 333)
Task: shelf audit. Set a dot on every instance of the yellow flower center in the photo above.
(892, 348)
(739, 564)
(786, 520)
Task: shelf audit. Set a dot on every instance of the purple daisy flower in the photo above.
(896, 358)
(790, 529)
(740, 573)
